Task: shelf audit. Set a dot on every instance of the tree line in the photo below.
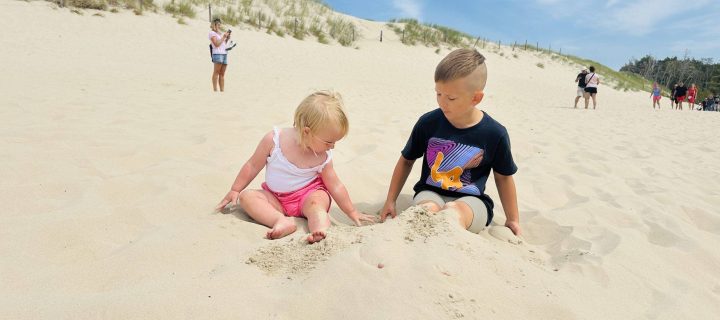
(667, 72)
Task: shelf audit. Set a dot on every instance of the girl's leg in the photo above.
(222, 77)
(216, 75)
(594, 101)
(264, 208)
(315, 210)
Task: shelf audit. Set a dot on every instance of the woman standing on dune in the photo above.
(219, 54)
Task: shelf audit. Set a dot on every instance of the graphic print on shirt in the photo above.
(448, 162)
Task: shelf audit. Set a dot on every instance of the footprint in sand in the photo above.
(703, 219)
(661, 236)
(588, 171)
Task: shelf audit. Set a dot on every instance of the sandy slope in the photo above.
(114, 151)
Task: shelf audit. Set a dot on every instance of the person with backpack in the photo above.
(592, 81)
(580, 79)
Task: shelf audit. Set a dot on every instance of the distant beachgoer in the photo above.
(580, 79)
(460, 146)
(691, 96)
(219, 54)
(592, 81)
(300, 180)
(680, 94)
(673, 97)
(656, 95)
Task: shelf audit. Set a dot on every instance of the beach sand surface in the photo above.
(114, 152)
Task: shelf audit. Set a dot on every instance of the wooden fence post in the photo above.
(210, 12)
(380, 35)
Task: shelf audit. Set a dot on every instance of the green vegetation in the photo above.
(136, 6)
(540, 65)
(669, 71)
(181, 9)
(621, 80)
(412, 32)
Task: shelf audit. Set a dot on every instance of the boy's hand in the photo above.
(514, 227)
(231, 197)
(388, 209)
(357, 217)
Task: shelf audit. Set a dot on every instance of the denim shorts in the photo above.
(219, 58)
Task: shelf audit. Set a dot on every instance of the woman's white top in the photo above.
(221, 48)
(283, 176)
(592, 80)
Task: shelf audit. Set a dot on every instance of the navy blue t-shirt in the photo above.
(457, 162)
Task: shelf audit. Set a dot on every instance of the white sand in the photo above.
(114, 151)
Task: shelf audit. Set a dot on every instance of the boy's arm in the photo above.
(339, 193)
(508, 197)
(249, 170)
(399, 177)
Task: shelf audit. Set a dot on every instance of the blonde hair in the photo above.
(320, 110)
(461, 63)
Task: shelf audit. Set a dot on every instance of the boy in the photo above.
(459, 145)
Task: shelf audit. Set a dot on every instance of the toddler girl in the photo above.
(299, 179)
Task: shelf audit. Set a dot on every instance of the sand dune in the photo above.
(114, 151)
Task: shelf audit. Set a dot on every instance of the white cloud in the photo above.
(409, 8)
(629, 17)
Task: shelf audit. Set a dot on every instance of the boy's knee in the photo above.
(430, 206)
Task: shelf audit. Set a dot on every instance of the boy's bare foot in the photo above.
(281, 228)
(316, 236)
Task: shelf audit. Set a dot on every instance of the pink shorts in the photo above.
(656, 98)
(292, 202)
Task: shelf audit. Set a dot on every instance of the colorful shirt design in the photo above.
(448, 160)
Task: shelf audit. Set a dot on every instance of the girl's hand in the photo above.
(358, 217)
(231, 197)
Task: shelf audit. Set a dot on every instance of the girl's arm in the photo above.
(249, 170)
(339, 193)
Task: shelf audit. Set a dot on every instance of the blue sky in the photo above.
(610, 31)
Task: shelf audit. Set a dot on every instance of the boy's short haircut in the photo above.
(318, 110)
(458, 64)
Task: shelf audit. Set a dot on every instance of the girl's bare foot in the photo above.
(316, 236)
(282, 227)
